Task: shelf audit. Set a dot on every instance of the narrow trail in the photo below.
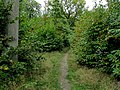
(64, 71)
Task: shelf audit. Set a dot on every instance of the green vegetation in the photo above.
(83, 78)
(94, 37)
(46, 76)
(50, 79)
(12, 70)
(97, 42)
(9, 69)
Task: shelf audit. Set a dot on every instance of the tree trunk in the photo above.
(13, 28)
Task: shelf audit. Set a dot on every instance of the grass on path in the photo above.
(50, 80)
(82, 78)
(47, 75)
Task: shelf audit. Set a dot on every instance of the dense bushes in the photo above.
(96, 42)
(10, 68)
(98, 39)
(43, 37)
(46, 32)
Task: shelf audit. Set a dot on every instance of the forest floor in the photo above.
(59, 71)
(64, 82)
(84, 78)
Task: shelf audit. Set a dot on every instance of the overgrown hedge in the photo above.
(97, 42)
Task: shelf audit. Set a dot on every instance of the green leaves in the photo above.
(98, 39)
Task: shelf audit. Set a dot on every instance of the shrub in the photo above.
(11, 69)
(98, 39)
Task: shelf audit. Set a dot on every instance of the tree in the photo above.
(97, 40)
(30, 9)
(69, 9)
(60, 21)
(72, 9)
(13, 27)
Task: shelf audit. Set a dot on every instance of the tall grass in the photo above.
(83, 78)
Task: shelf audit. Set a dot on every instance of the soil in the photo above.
(64, 82)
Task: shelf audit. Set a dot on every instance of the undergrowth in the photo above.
(84, 78)
(46, 77)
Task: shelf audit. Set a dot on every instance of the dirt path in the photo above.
(64, 71)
